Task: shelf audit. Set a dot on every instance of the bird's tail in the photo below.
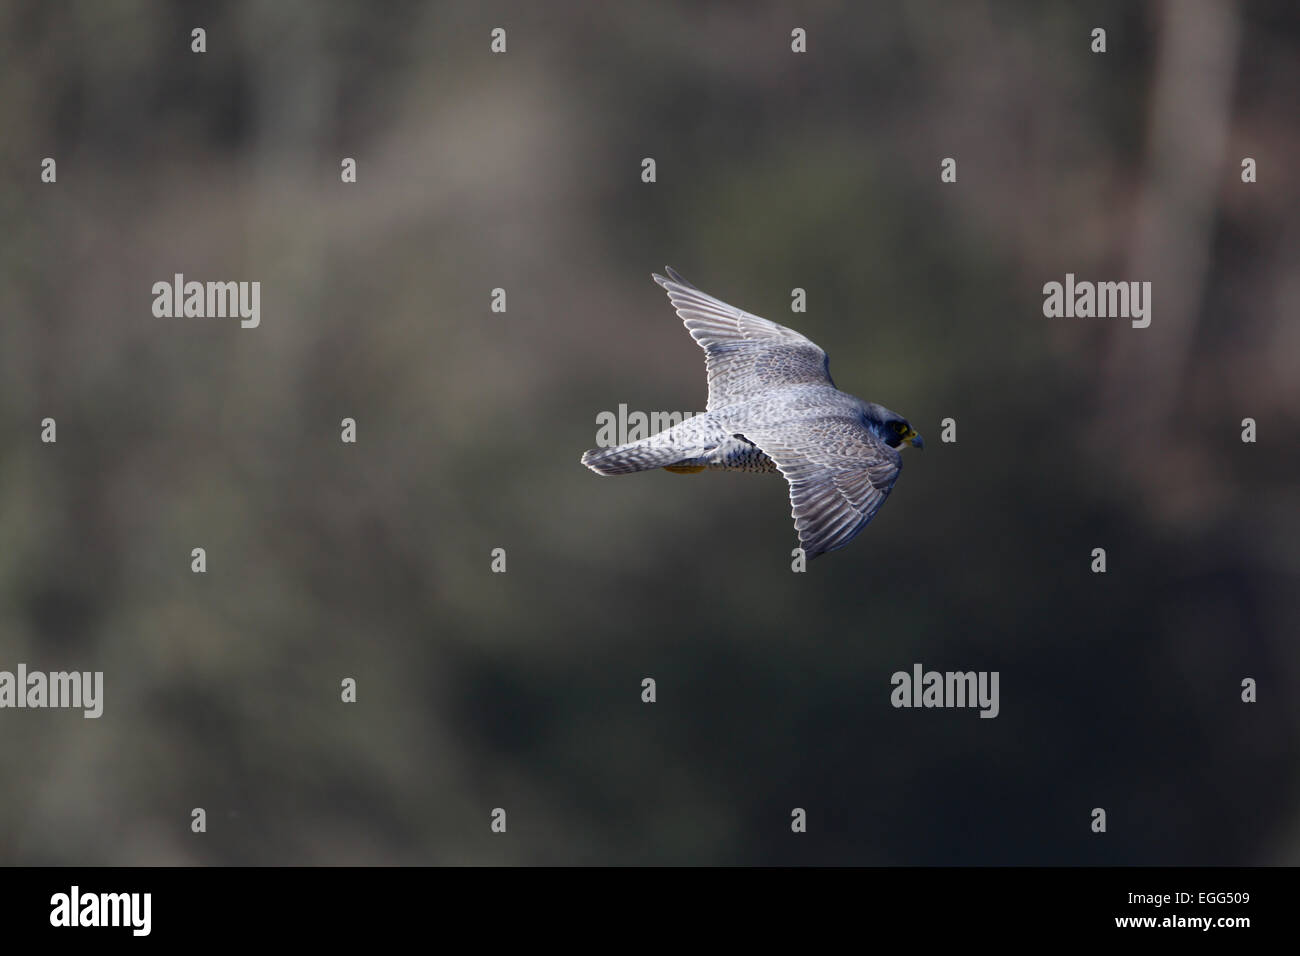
(644, 455)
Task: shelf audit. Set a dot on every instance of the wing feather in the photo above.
(744, 354)
(839, 475)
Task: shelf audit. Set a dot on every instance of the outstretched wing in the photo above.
(839, 475)
(745, 355)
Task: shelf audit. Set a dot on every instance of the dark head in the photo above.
(892, 429)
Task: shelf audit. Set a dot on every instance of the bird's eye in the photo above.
(900, 427)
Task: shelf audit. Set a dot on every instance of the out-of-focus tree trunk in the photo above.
(1187, 133)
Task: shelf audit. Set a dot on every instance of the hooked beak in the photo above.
(917, 441)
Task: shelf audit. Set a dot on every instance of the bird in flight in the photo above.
(772, 407)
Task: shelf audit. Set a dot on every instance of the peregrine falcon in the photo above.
(773, 407)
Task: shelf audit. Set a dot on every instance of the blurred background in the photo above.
(523, 690)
